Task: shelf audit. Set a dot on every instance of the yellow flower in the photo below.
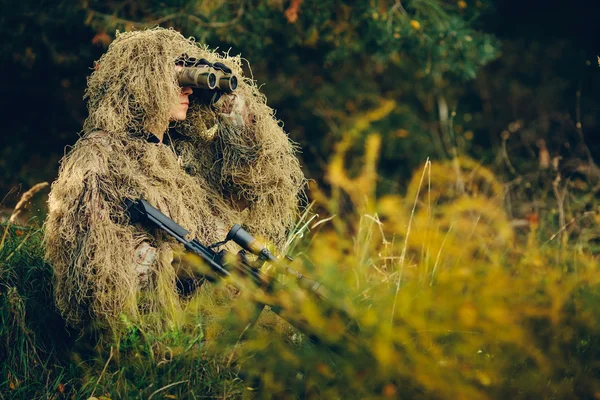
(415, 24)
(462, 4)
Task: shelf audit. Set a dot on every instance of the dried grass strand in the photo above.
(25, 198)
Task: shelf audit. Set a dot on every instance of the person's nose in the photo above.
(186, 90)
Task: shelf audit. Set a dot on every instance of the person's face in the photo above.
(178, 111)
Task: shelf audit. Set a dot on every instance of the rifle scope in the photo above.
(247, 242)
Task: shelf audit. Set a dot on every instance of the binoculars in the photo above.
(203, 74)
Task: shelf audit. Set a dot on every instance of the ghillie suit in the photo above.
(207, 166)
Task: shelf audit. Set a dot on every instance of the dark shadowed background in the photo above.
(505, 82)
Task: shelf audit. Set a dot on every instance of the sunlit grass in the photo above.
(432, 294)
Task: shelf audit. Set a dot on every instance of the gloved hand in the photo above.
(233, 109)
(189, 268)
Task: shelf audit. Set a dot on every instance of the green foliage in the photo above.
(42, 358)
(45, 60)
(430, 295)
(319, 65)
(323, 63)
(463, 287)
(33, 334)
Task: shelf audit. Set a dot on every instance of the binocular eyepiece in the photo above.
(202, 74)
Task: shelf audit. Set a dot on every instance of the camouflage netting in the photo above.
(199, 179)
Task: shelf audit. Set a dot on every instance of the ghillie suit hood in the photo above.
(198, 178)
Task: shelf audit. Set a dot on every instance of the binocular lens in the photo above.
(212, 81)
(233, 83)
(228, 83)
(197, 78)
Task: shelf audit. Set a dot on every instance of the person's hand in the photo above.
(234, 109)
(143, 259)
(189, 269)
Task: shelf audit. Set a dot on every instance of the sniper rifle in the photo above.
(224, 264)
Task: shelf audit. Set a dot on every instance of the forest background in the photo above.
(504, 82)
(451, 149)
